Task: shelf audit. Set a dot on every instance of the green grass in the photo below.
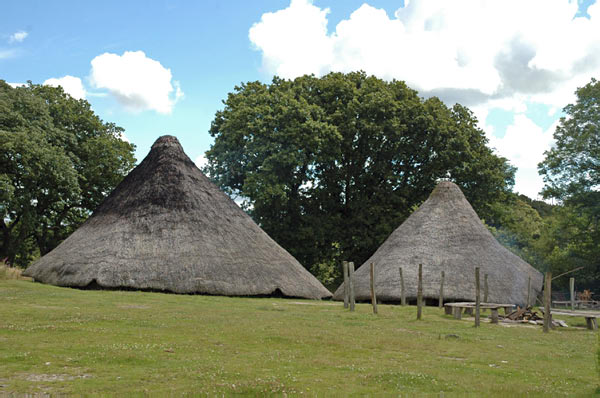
(67, 341)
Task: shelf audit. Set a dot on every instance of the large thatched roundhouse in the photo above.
(166, 227)
(445, 234)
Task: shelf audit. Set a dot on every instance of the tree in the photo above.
(330, 166)
(518, 226)
(58, 161)
(571, 172)
(571, 169)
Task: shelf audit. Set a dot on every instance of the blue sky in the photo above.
(163, 67)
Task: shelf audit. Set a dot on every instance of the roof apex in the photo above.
(167, 141)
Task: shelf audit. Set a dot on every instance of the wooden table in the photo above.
(456, 309)
(590, 316)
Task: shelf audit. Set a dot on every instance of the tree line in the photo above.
(327, 166)
(58, 161)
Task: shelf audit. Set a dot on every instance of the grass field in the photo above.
(62, 341)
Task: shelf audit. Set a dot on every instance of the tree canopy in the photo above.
(58, 161)
(571, 171)
(330, 166)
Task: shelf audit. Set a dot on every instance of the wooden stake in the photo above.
(572, 290)
(420, 292)
(351, 278)
(528, 291)
(402, 292)
(346, 284)
(477, 293)
(547, 302)
(441, 302)
(373, 295)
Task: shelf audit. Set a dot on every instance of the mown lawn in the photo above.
(60, 340)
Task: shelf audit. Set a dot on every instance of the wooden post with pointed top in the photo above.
(441, 298)
(547, 302)
(420, 292)
(572, 291)
(346, 284)
(477, 294)
(402, 292)
(351, 290)
(373, 294)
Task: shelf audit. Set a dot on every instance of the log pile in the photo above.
(527, 315)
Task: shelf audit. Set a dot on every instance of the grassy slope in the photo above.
(62, 340)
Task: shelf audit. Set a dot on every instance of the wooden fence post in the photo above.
(477, 293)
(402, 292)
(441, 302)
(373, 294)
(346, 284)
(547, 302)
(351, 278)
(572, 290)
(420, 292)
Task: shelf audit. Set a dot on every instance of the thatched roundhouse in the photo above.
(166, 227)
(445, 234)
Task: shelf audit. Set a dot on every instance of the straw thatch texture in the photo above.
(167, 227)
(445, 234)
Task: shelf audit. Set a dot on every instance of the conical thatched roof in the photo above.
(166, 227)
(445, 234)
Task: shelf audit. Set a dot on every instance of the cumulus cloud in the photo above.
(70, 84)
(482, 54)
(301, 30)
(138, 82)
(471, 52)
(18, 37)
(524, 144)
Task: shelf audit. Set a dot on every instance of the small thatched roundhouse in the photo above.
(445, 234)
(166, 227)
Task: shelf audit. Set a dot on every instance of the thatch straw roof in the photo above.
(166, 227)
(445, 234)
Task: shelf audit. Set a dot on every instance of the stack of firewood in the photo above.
(524, 314)
(527, 315)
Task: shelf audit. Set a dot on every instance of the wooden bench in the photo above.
(456, 309)
(590, 316)
(580, 304)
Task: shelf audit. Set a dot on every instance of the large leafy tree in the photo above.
(330, 166)
(58, 160)
(571, 171)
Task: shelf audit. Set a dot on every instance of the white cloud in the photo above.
(15, 85)
(201, 161)
(301, 29)
(524, 144)
(468, 52)
(70, 84)
(139, 83)
(482, 54)
(18, 37)
(123, 137)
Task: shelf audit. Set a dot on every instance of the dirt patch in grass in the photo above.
(134, 306)
(45, 377)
